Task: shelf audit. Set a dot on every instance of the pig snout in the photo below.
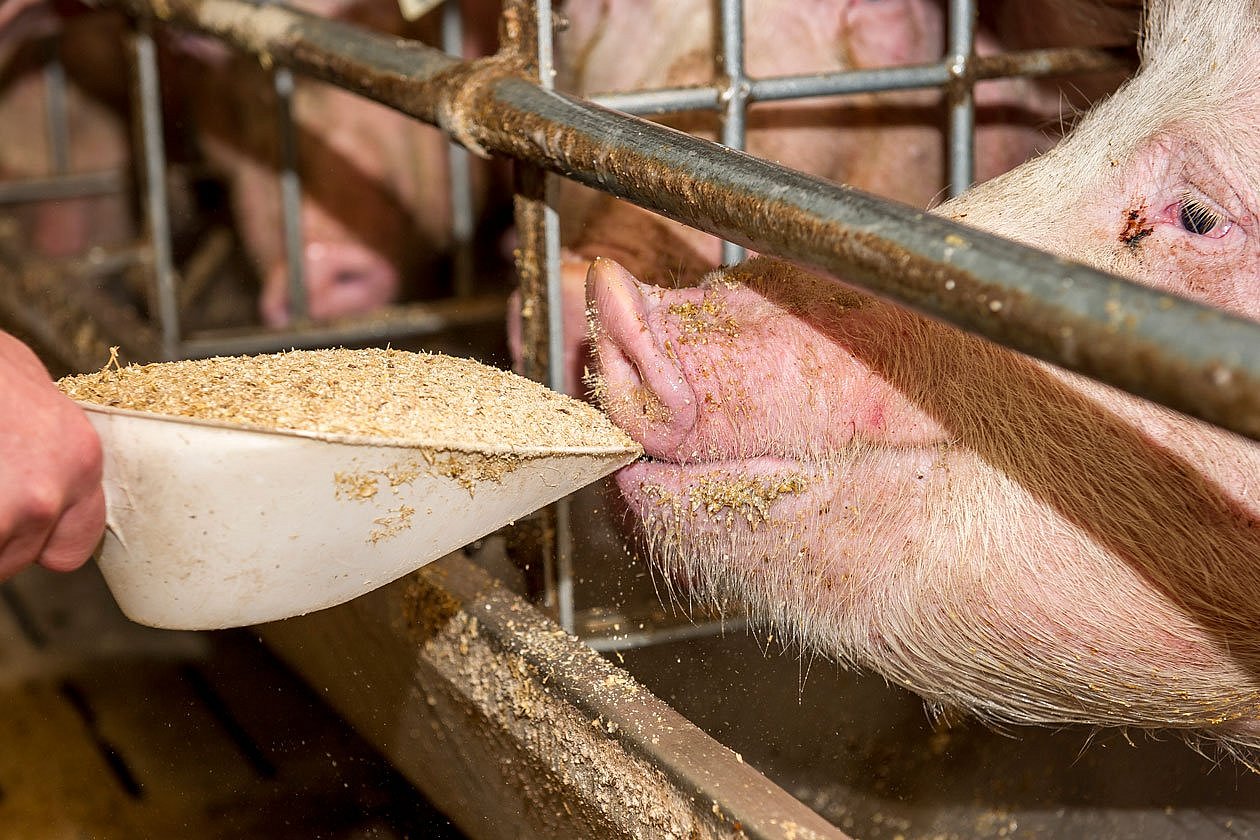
(643, 388)
(720, 371)
(341, 278)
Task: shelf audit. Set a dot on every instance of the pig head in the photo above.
(988, 531)
(375, 209)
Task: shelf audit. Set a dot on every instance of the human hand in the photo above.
(52, 505)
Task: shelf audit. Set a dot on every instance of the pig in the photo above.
(989, 531)
(375, 196)
(890, 143)
(97, 125)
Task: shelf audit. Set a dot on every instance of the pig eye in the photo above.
(1197, 218)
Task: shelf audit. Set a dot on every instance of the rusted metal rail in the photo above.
(1187, 356)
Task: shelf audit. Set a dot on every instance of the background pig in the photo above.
(375, 195)
(991, 532)
(96, 123)
(891, 144)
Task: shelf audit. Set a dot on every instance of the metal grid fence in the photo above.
(1190, 357)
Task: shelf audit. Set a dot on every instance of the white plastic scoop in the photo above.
(215, 525)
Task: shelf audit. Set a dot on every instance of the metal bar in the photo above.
(565, 610)
(555, 292)
(1183, 354)
(157, 211)
(876, 80)
(608, 630)
(734, 99)
(551, 219)
(562, 565)
(538, 541)
(416, 319)
(1031, 63)
(660, 635)
(1188, 356)
(78, 185)
(961, 93)
(662, 101)
(55, 114)
(463, 222)
(537, 535)
(290, 196)
(556, 355)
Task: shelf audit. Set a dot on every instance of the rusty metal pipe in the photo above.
(1190, 357)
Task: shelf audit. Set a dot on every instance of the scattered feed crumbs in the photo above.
(418, 399)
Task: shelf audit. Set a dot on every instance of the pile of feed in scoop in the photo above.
(411, 398)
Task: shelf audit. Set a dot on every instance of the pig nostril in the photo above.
(347, 277)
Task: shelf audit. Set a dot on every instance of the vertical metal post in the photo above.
(460, 172)
(290, 195)
(734, 98)
(538, 270)
(961, 92)
(55, 115)
(551, 219)
(555, 318)
(156, 209)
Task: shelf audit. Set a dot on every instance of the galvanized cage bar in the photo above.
(55, 115)
(157, 212)
(1030, 63)
(538, 272)
(734, 97)
(562, 524)
(962, 104)
(463, 221)
(290, 195)
(409, 320)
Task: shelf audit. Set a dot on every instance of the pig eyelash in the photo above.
(1197, 218)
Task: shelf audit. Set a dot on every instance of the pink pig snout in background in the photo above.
(341, 278)
(375, 201)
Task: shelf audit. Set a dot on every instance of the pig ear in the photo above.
(883, 33)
